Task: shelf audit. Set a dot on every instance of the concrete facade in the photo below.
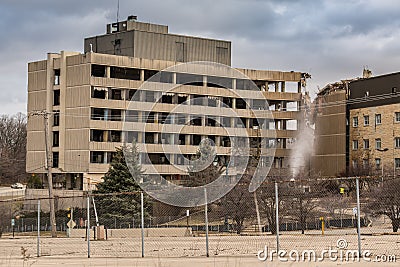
(88, 96)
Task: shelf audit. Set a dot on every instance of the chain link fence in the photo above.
(343, 214)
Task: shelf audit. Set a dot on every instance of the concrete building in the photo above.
(330, 135)
(374, 124)
(87, 96)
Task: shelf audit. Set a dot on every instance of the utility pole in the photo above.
(48, 168)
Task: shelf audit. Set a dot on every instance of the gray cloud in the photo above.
(330, 39)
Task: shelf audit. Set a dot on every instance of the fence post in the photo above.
(206, 220)
(358, 216)
(38, 230)
(88, 224)
(142, 219)
(277, 215)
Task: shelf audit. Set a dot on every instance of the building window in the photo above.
(397, 142)
(355, 144)
(57, 77)
(378, 143)
(96, 157)
(365, 163)
(96, 135)
(366, 120)
(366, 143)
(99, 92)
(56, 139)
(397, 116)
(56, 118)
(56, 97)
(98, 70)
(378, 163)
(378, 119)
(55, 159)
(355, 121)
(397, 162)
(354, 164)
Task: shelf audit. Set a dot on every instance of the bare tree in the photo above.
(385, 200)
(238, 203)
(12, 148)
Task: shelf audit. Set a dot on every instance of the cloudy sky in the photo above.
(331, 40)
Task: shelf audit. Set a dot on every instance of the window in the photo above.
(114, 136)
(125, 73)
(56, 139)
(397, 162)
(98, 114)
(150, 73)
(116, 94)
(56, 97)
(99, 92)
(98, 70)
(96, 135)
(355, 144)
(354, 164)
(397, 116)
(56, 118)
(378, 143)
(240, 103)
(366, 120)
(378, 119)
(57, 77)
(378, 163)
(96, 157)
(365, 163)
(55, 159)
(355, 121)
(366, 143)
(397, 142)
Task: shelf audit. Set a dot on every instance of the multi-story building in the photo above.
(374, 124)
(88, 94)
(330, 135)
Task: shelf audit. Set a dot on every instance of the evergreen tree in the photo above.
(118, 195)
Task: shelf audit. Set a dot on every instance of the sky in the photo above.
(331, 40)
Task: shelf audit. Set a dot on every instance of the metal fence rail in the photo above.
(145, 228)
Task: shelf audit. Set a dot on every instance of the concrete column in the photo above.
(283, 85)
(233, 102)
(140, 137)
(157, 138)
(142, 75)
(276, 86)
(217, 140)
(108, 71)
(174, 78)
(299, 87)
(247, 123)
(234, 84)
(187, 139)
(204, 80)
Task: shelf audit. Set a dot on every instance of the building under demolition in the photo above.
(87, 96)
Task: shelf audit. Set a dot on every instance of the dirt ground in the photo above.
(226, 250)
